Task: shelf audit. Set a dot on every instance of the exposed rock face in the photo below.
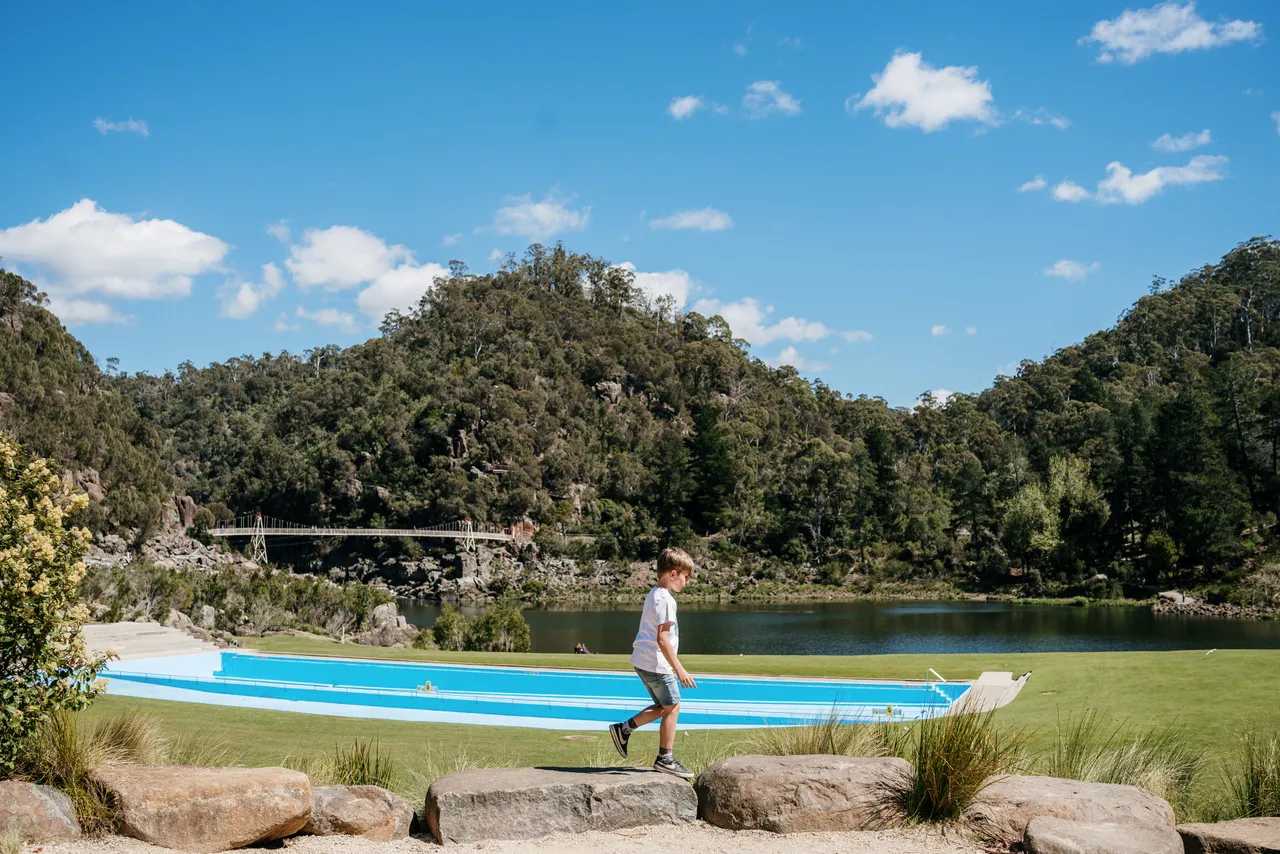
(609, 391)
(1009, 802)
(207, 617)
(90, 482)
(524, 803)
(206, 809)
(40, 814)
(172, 550)
(367, 811)
(1046, 835)
(387, 628)
(791, 794)
(1242, 836)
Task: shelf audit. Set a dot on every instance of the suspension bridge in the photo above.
(258, 527)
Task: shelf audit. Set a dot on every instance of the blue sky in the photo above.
(200, 180)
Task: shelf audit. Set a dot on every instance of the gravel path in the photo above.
(693, 839)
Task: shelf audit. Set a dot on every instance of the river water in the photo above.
(875, 628)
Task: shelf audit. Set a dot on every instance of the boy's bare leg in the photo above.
(649, 714)
(667, 731)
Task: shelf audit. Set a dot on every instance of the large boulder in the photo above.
(40, 814)
(791, 794)
(524, 803)
(206, 809)
(1047, 835)
(1241, 836)
(1003, 809)
(367, 811)
(387, 628)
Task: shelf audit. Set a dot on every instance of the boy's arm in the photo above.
(664, 644)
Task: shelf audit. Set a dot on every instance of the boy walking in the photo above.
(654, 658)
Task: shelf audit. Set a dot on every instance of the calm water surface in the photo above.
(874, 628)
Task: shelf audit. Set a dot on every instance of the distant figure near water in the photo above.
(581, 649)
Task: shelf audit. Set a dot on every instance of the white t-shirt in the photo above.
(659, 608)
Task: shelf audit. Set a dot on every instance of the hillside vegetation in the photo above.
(554, 389)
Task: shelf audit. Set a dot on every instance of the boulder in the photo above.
(40, 814)
(524, 803)
(1004, 807)
(205, 809)
(1047, 835)
(791, 794)
(367, 811)
(387, 628)
(207, 617)
(1241, 836)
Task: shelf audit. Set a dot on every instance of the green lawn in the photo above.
(1214, 697)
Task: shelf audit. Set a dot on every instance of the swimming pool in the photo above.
(538, 697)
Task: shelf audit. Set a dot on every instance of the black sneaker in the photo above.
(620, 738)
(669, 765)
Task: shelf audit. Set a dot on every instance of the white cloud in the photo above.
(496, 255)
(791, 356)
(398, 288)
(792, 41)
(676, 284)
(939, 397)
(739, 48)
(910, 92)
(971, 330)
(1072, 271)
(705, 219)
(939, 330)
(1186, 142)
(1009, 370)
(766, 97)
(344, 321)
(1275, 117)
(88, 250)
(683, 107)
(1042, 116)
(1121, 185)
(538, 221)
(1070, 191)
(79, 312)
(856, 335)
(749, 320)
(1164, 28)
(1036, 183)
(241, 299)
(341, 256)
(129, 125)
(283, 325)
(280, 230)
(450, 239)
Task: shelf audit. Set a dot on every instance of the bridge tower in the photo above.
(258, 542)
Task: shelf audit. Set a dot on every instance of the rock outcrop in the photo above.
(387, 628)
(39, 813)
(368, 811)
(1241, 836)
(1046, 835)
(1003, 809)
(524, 803)
(791, 794)
(206, 809)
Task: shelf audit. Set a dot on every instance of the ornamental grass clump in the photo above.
(830, 735)
(952, 757)
(44, 665)
(363, 764)
(1253, 779)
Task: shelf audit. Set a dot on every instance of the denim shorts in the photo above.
(664, 688)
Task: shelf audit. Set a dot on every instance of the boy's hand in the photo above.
(685, 679)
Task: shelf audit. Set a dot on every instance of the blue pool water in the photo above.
(509, 695)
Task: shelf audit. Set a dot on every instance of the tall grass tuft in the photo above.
(1161, 760)
(1253, 781)
(952, 756)
(11, 839)
(203, 749)
(830, 735)
(363, 764)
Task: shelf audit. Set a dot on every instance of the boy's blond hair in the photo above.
(674, 560)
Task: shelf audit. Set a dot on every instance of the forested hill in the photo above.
(552, 389)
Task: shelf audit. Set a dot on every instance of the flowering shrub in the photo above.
(44, 666)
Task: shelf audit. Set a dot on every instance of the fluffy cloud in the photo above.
(857, 335)
(399, 288)
(910, 92)
(705, 219)
(1070, 191)
(936, 399)
(79, 312)
(1121, 185)
(1042, 116)
(1036, 183)
(241, 299)
(939, 330)
(344, 321)
(538, 221)
(791, 356)
(1072, 271)
(676, 284)
(1165, 28)
(1186, 142)
(280, 230)
(88, 250)
(971, 330)
(1275, 117)
(450, 239)
(766, 97)
(683, 107)
(127, 126)
(341, 256)
(750, 320)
